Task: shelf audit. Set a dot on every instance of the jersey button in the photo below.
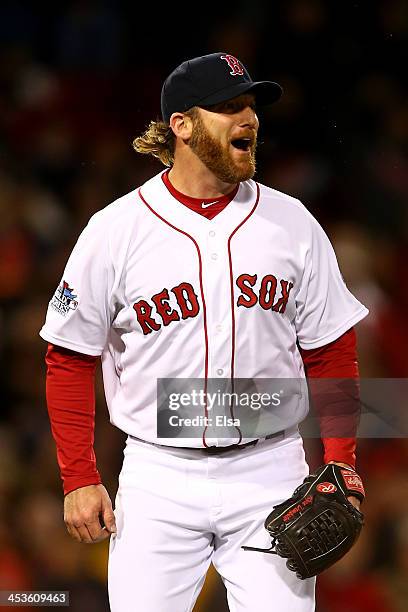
(212, 233)
(214, 256)
(220, 371)
(219, 328)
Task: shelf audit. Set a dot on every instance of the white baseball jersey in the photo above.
(160, 291)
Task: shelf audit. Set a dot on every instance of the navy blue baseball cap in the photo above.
(211, 79)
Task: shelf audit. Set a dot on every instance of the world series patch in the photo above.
(63, 299)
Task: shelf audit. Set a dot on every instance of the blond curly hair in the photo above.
(159, 140)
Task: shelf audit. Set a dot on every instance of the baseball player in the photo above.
(199, 274)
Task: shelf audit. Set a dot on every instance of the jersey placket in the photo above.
(213, 242)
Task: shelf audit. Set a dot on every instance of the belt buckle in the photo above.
(217, 450)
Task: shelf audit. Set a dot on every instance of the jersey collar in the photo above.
(207, 207)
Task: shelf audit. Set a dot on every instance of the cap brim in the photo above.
(265, 92)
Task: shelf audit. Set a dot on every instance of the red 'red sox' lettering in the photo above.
(189, 307)
(143, 311)
(267, 292)
(163, 307)
(280, 305)
(186, 298)
(250, 298)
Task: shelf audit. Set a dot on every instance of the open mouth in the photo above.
(242, 144)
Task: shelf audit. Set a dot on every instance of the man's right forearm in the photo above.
(70, 392)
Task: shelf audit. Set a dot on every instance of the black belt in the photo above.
(218, 450)
(214, 450)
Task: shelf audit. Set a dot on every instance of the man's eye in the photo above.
(231, 107)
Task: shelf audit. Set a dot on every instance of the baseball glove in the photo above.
(317, 525)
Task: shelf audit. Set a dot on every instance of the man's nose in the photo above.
(249, 118)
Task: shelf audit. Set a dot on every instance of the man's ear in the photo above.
(181, 125)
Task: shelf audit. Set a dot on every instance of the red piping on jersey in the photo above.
(202, 297)
(233, 303)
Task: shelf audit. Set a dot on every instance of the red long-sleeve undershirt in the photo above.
(333, 375)
(70, 392)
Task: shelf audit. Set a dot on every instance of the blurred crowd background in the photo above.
(78, 81)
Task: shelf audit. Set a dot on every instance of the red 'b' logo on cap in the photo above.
(233, 63)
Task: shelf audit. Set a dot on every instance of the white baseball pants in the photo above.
(178, 510)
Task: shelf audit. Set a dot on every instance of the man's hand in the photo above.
(88, 514)
(353, 500)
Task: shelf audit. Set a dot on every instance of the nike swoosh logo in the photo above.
(206, 205)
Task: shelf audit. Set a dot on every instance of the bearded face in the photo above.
(229, 155)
